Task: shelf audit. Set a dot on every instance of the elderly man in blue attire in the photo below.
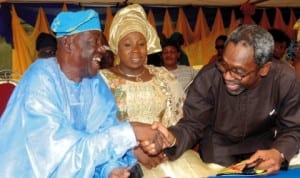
(61, 119)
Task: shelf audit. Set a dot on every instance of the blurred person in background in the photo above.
(282, 41)
(46, 45)
(219, 46)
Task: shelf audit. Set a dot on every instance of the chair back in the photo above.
(8, 81)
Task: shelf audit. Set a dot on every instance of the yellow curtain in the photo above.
(201, 51)
(151, 18)
(264, 21)
(278, 21)
(24, 53)
(195, 50)
(108, 20)
(217, 29)
(194, 53)
(199, 43)
(168, 28)
(218, 25)
(201, 28)
(42, 24)
(233, 22)
(292, 33)
(65, 7)
(183, 26)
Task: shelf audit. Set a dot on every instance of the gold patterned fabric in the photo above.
(160, 99)
(133, 18)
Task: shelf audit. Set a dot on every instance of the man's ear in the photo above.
(264, 70)
(66, 42)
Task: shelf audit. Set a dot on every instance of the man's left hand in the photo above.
(268, 160)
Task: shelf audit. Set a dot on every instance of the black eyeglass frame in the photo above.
(233, 71)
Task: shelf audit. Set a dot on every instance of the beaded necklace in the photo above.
(137, 77)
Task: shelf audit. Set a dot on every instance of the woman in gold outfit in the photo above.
(145, 93)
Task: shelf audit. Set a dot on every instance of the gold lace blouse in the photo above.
(159, 99)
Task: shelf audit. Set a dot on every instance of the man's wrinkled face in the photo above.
(238, 68)
(89, 56)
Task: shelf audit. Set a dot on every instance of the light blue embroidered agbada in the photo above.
(54, 127)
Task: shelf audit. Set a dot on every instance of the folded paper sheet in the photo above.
(188, 165)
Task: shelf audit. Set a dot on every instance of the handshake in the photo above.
(153, 139)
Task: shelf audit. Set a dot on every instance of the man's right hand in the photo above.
(163, 132)
(151, 139)
(167, 134)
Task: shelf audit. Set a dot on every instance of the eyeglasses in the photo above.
(219, 46)
(234, 72)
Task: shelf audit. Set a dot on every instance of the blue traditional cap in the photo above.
(69, 23)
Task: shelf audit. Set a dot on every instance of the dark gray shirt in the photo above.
(229, 127)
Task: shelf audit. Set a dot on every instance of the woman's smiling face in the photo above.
(132, 50)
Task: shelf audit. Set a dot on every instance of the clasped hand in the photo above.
(152, 138)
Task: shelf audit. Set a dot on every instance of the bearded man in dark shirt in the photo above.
(246, 106)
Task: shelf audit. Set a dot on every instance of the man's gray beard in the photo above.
(237, 92)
